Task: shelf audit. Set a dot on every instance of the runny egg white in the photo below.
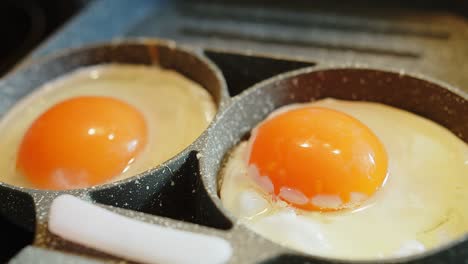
(422, 204)
(175, 110)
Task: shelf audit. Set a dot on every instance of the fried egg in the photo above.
(349, 180)
(101, 124)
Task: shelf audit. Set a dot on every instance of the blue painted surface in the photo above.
(101, 20)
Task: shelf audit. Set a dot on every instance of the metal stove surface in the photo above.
(431, 41)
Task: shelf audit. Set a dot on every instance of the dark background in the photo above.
(25, 23)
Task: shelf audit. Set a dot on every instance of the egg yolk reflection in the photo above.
(317, 158)
(81, 142)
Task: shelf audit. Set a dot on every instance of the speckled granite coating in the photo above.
(188, 180)
(182, 192)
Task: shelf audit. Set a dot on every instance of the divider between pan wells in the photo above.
(242, 71)
(174, 189)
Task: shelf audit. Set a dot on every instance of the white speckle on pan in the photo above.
(295, 82)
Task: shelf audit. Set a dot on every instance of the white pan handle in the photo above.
(90, 225)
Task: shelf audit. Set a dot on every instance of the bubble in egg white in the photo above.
(327, 201)
(293, 196)
(409, 248)
(299, 230)
(251, 203)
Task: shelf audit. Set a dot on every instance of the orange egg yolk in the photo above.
(317, 158)
(81, 142)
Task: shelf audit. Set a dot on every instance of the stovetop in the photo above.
(432, 40)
